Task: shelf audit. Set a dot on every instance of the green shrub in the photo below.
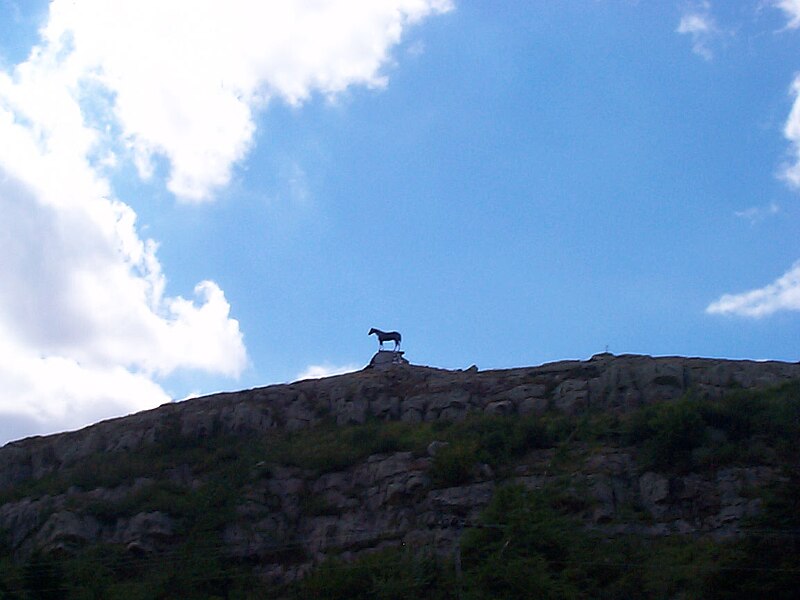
(669, 380)
(329, 447)
(391, 574)
(765, 563)
(493, 440)
(745, 427)
(44, 578)
(668, 433)
(315, 505)
(454, 464)
(525, 547)
(528, 544)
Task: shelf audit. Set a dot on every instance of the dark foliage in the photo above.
(527, 543)
(392, 574)
(692, 434)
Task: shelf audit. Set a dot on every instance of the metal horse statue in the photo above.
(386, 336)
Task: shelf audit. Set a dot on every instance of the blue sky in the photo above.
(505, 186)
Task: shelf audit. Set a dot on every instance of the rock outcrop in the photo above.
(408, 393)
(389, 498)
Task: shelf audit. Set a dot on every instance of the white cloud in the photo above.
(792, 10)
(699, 24)
(86, 328)
(84, 323)
(50, 394)
(756, 214)
(185, 76)
(792, 133)
(326, 370)
(77, 281)
(782, 294)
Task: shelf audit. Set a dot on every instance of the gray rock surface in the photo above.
(390, 498)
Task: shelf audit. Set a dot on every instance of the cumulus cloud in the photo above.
(48, 394)
(326, 370)
(792, 133)
(84, 322)
(185, 76)
(782, 294)
(86, 326)
(698, 23)
(792, 10)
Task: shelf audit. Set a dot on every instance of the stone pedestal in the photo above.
(387, 358)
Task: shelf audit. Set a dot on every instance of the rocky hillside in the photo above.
(266, 485)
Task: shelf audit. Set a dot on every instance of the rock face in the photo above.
(387, 358)
(389, 497)
(403, 392)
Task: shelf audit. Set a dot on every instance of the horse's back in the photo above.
(386, 335)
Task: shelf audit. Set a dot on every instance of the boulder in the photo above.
(384, 359)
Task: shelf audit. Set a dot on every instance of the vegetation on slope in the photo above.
(529, 545)
(526, 540)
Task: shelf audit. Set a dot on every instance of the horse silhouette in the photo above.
(386, 336)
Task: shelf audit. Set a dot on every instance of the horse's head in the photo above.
(372, 330)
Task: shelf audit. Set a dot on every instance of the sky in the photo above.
(199, 196)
